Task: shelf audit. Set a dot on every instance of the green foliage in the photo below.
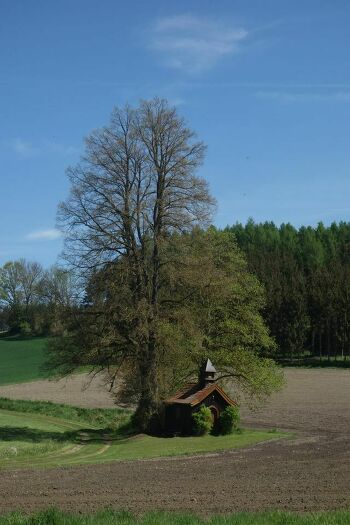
(229, 420)
(202, 421)
(31, 298)
(111, 517)
(210, 307)
(25, 328)
(306, 274)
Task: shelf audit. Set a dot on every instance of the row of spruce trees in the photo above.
(306, 274)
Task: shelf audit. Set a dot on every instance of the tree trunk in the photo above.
(313, 342)
(328, 341)
(148, 403)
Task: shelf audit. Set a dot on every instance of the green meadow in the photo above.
(21, 359)
(42, 434)
(110, 517)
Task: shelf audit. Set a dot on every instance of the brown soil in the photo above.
(80, 390)
(309, 472)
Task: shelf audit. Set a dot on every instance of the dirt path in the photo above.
(309, 472)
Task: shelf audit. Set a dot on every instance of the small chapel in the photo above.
(180, 408)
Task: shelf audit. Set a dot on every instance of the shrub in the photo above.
(202, 421)
(229, 420)
(25, 328)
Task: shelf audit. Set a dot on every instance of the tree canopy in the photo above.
(162, 291)
(30, 296)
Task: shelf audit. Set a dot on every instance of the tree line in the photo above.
(32, 298)
(306, 275)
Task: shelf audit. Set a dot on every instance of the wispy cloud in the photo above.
(193, 43)
(44, 235)
(177, 101)
(27, 148)
(310, 96)
(23, 147)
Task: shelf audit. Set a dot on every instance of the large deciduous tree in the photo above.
(160, 293)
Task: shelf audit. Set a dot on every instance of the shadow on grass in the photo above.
(81, 436)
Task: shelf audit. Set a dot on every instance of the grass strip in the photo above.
(110, 517)
(98, 417)
(38, 434)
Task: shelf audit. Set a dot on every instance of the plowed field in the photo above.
(309, 472)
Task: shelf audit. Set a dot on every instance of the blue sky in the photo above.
(266, 84)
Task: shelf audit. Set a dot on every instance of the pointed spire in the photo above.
(207, 372)
(209, 366)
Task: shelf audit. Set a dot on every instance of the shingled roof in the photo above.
(194, 393)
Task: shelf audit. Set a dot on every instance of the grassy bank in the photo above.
(97, 417)
(109, 517)
(39, 434)
(21, 359)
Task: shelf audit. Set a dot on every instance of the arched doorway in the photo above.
(214, 414)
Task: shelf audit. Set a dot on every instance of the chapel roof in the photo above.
(194, 393)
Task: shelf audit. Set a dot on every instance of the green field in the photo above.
(29, 437)
(109, 517)
(21, 359)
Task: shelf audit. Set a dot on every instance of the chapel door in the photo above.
(214, 414)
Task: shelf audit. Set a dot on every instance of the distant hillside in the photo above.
(21, 359)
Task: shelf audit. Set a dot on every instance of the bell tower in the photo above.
(207, 373)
